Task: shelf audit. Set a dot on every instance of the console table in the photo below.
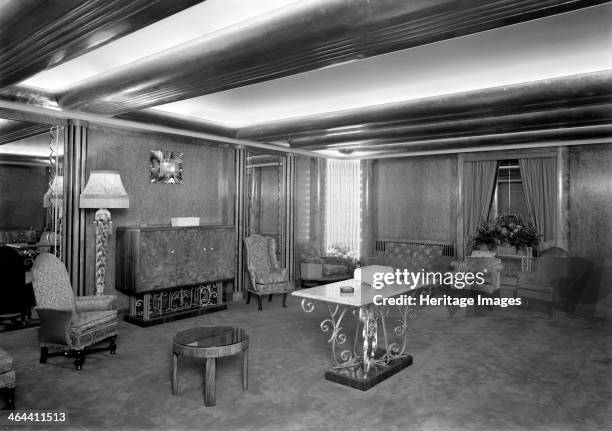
(173, 272)
(366, 363)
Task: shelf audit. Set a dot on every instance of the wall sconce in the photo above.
(103, 190)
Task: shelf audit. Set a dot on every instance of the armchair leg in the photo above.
(259, 300)
(80, 359)
(44, 354)
(10, 399)
(284, 299)
(113, 345)
(270, 298)
(248, 297)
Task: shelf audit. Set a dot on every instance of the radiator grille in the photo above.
(448, 249)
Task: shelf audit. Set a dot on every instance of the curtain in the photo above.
(539, 177)
(342, 205)
(478, 185)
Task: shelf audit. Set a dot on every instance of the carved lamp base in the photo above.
(103, 225)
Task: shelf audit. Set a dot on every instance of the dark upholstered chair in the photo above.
(7, 379)
(320, 269)
(16, 297)
(69, 323)
(266, 277)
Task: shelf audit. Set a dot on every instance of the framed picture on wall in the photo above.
(166, 167)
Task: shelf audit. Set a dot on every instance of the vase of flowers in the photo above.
(508, 233)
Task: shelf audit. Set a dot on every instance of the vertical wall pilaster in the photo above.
(289, 180)
(240, 219)
(460, 252)
(369, 208)
(562, 231)
(75, 159)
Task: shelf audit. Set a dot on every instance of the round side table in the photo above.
(210, 343)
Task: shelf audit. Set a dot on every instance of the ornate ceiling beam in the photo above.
(536, 98)
(36, 36)
(498, 124)
(304, 36)
(600, 133)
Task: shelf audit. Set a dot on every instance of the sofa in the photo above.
(414, 257)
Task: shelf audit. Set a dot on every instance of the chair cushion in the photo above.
(90, 319)
(271, 276)
(6, 362)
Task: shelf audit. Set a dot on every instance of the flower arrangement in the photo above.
(344, 255)
(507, 229)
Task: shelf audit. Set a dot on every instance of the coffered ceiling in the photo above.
(339, 78)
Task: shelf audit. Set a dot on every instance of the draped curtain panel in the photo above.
(342, 205)
(540, 185)
(478, 185)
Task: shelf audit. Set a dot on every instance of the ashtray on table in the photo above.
(347, 289)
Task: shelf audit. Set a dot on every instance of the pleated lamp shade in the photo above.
(104, 190)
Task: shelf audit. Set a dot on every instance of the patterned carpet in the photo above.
(512, 369)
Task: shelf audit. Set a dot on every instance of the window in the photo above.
(343, 207)
(509, 195)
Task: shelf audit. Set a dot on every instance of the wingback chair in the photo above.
(69, 323)
(266, 277)
(490, 267)
(7, 379)
(16, 297)
(320, 269)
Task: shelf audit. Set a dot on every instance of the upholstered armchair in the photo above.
(16, 296)
(7, 379)
(68, 323)
(316, 268)
(266, 277)
(539, 284)
(490, 267)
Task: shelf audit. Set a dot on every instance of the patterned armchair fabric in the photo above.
(491, 268)
(314, 267)
(265, 275)
(66, 321)
(7, 379)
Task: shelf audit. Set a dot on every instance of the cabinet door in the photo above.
(157, 259)
(224, 258)
(191, 256)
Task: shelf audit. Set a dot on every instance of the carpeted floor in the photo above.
(513, 369)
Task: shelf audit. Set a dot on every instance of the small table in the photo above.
(210, 343)
(370, 361)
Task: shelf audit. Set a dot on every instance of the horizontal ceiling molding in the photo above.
(550, 94)
(36, 36)
(152, 116)
(301, 37)
(497, 124)
(600, 133)
(13, 110)
(11, 131)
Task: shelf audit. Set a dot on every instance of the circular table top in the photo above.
(219, 339)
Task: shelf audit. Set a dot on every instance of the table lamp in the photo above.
(103, 190)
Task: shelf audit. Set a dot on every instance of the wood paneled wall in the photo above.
(590, 200)
(416, 198)
(207, 192)
(21, 197)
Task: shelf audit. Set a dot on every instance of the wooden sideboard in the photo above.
(173, 272)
